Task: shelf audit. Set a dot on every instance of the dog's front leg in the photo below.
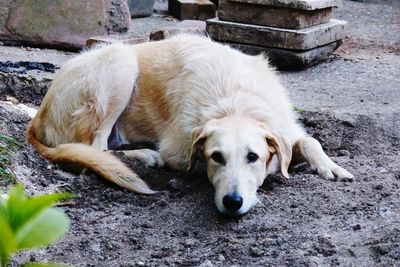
(148, 157)
(310, 149)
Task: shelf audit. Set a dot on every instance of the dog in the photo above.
(198, 100)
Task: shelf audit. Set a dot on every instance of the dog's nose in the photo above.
(232, 202)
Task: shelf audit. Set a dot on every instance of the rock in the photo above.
(272, 16)
(344, 153)
(189, 242)
(112, 39)
(141, 8)
(300, 39)
(192, 9)
(62, 23)
(95, 248)
(289, 59)
(295, 4)
(206, 263)
(185, 26)
(221, 257)
(356, 227)
(176, 184)
(378, 187)
(256, 252)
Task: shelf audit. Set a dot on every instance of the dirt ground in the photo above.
(302, 221)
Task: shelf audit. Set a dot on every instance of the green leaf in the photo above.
(42, 264)
(22, 209)
(44, 229)
(15, 204)
(8, 243)
(3, 210)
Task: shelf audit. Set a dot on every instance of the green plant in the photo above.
(7, 144)
(30, 222)
(299, 110)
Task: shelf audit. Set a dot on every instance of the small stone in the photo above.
(348, 123)
(206, 263)
(140, 263)
(147, 225)
(378, 187)
(344, 153)
(221, 257)
(382, 249)
(12, 100)
(256, 252)
(95, 248)
(189, 242)
(176, 184)
(356, 227)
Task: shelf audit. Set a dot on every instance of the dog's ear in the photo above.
(198, 138)
(281, 146)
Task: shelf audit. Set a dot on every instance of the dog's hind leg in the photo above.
(148, 157)
(103, 132)
(309, 149)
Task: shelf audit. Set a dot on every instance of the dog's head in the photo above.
(238, 152)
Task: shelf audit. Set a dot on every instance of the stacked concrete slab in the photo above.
(293, 33)
(192, 9)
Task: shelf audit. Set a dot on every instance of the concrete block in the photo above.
(185, 26)
(271, 15)
(192, 9)
(299, 39)
(284, 59)
(112, 39)
(295, 4)
(141, 8)
(64, 23)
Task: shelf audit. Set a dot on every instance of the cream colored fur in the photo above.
(192, 97)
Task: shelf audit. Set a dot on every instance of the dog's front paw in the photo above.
(148, 157)
(335, 172)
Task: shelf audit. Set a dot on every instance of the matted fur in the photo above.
(189, 95)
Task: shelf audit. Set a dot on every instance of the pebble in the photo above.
(356, 227)
(221, 257)
(95, 248)
(256, 252)
(378, 187)
(12, 100)
(189, 242)
(344, 153)
(176, 184)
(348, 123)
(207, 263)
(140, 263)
(147, 225)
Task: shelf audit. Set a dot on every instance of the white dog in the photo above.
(195, 98)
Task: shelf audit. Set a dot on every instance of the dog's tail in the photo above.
(103, 163)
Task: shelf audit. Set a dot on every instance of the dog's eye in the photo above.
(217, 157)
(252, 157)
